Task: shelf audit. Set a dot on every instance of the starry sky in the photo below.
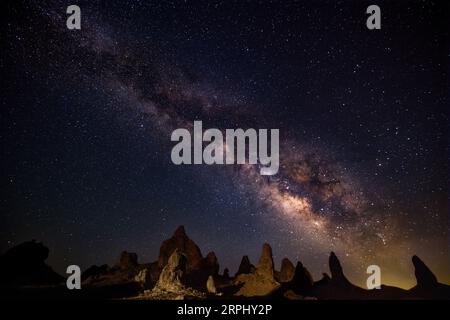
(87, 117)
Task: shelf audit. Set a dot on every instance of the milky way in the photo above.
(321, 200)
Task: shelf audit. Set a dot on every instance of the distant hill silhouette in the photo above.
(24, 264)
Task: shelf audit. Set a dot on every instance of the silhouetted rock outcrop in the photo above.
(25, 264)
(180, 241)
(302, 281)
(338, 287)
(245, 266)
(425, 278)
(210, 264)
(226, 273)
(287, 271)
(337, 275)
(427, 286)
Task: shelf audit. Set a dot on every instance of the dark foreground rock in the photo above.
(245, 266)
(427, 286)
(24, 265)
(286, 271)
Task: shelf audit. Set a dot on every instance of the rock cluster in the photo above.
(181, 272)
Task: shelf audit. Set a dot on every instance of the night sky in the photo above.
(86, 119)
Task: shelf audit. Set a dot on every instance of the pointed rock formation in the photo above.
(170, 285)
(210, 264)
(338, 287)
(245, 266)
(261, 282)
(425, 278)
(302, 281)
(180, 241)
(265, 263)
(337, 275)
(427, 286)
(172, 274)
(226, 273)
(287, 271)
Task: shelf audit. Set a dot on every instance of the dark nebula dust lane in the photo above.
(362, 121)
